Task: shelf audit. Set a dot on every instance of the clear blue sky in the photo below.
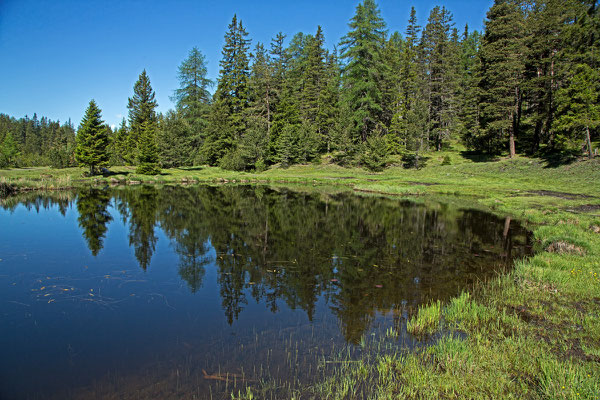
(56, 55)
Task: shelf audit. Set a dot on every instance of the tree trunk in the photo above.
(589, 141)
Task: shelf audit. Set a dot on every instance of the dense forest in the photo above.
(529, 83)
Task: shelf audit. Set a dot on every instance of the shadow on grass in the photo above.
(555, 158)
(476, 156)
(107, 173)
(191, 168)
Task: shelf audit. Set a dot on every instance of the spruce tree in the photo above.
(141, 110)
(440, 59)
(92, 140)
(502, 69)
(227, 123)
(361, 51)
(468, 96)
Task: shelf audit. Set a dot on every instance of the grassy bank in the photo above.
(533, 333)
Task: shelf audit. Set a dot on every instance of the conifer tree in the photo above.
(231, 98)
(92, 140)
(147, 150)
(468, 95)
(8, 150)
(141, 110)
(440, 60)
(193, 98)
(361, 51)
(502, 69)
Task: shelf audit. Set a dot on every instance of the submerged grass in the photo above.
(533, 333)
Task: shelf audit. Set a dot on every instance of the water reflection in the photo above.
(361, 255)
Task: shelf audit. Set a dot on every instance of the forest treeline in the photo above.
(529, 83)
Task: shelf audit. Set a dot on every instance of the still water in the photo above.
(193, 292)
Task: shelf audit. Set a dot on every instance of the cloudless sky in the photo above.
(56, 55)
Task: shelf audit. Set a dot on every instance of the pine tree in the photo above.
(92, 140)
(141, 110)
(328, 114)
(362, 73)
(502, 68)
(411, 118)
(468, 95)
(440, 61)
(193, 98)
(147, 150)
(228, 125)
(314, 76)
(578, 109)
(393, 101)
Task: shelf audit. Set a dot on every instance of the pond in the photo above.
(192, 292)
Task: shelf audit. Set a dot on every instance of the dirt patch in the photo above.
(562, 247)
(560, 195)
(523, 313)
(595, 228)
(423, 183)
(576, 352)
(587, 207)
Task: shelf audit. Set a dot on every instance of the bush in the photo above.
(413, 160)
(147, 169)
(374, 153)
(233, 161)
(446, 160)
(260, 165)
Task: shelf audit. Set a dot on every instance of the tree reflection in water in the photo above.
(360, 254)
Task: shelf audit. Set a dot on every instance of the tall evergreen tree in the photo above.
(141, 110)
(502, 68)
(578, 100)
(193, 98)
(468, 95)
(361, 51)
(440, 55)
(92, 140)
(231, 98)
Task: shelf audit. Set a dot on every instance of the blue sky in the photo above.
(57, 55)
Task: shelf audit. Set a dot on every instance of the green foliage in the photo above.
(579, 105)
(502, 70)
(362, 52)
(231, 98)
(93, 217)
(92, 140)
(374, 153)
(182, 133)
(8, 151)
(176, 140)
(141, 110)
(147, 150)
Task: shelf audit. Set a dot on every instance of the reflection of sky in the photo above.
(133, 317)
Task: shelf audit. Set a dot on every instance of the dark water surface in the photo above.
(194, 292)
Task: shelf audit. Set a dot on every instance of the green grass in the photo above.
(533, 333)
